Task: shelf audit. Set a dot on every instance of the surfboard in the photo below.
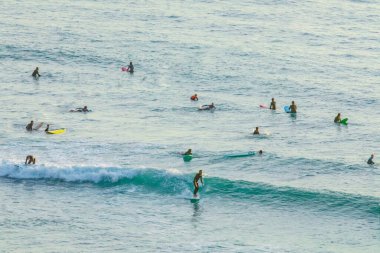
(194, 199)
(344, 121)
(250, 153)
(187, 158)
(264, 106)
(287, 109)
(79, 110)
(56, 131)
(204, 107)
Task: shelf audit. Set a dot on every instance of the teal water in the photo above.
(115, 181)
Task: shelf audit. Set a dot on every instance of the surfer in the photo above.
(197, 177)
(35, 73)
(194, 97)
(29, 127)
(337, 118)
(260, 152)
(272, 104)
(47, 128)
(30, 159)
(370, 160)
(212, 106)
(256, 131)
(188, 152)
(293, 107)
(130, 69)
(84, 109)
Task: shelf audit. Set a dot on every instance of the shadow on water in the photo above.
(197, 211)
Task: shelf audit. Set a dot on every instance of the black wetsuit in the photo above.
(35, 73)
(131, 69)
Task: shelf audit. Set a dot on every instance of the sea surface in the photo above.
(115, 181)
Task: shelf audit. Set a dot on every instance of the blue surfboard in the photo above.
(287, 109)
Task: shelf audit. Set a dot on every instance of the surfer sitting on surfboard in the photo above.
(197, 177)
(47, 128)
(29, 127)
(35, 73)
(370, 160)
(256, 131)
(272, 105)
(194, 97)
(30, 159)
(337, 118)
(293, 107)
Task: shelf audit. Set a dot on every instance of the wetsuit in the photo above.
(29, 127)
(35, 73)
(370, 161)
(131, 69)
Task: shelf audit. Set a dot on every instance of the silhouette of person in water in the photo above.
(36, 73)
(370, 160)
(337, 118)
(131, 69)
(30, 160)
(29, 127)
(272, 105)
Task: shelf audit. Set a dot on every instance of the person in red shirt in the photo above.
(194, 97)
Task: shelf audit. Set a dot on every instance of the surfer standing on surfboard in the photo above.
(197, 177)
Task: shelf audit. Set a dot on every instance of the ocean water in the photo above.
(114, 182)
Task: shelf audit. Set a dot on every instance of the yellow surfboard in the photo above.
(57, 131)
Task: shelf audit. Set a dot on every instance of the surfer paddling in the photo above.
(197, 177)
